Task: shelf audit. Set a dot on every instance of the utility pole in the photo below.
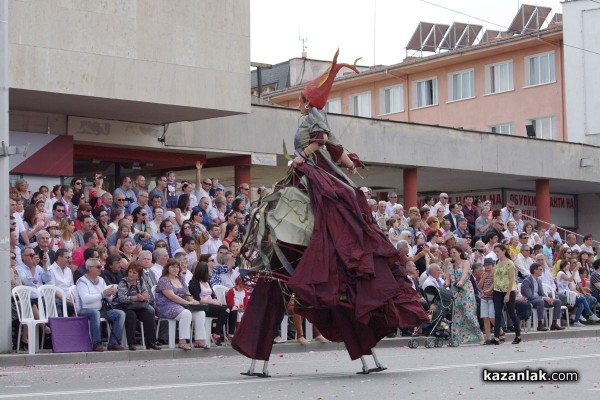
(5, 313)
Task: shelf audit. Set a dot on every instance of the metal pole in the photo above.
(5, 314)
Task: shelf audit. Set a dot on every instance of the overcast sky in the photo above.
(376, 30)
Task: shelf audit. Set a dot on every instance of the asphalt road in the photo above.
(412, 374)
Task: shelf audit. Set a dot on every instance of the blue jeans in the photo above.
(581, 304)
(115, 317)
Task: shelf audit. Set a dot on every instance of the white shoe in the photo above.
(581, 319)
(594, 318)
(279, 340)
(578, 324)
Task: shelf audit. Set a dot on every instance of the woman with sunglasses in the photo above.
(141, 229)
(96, 191)
(101, 216)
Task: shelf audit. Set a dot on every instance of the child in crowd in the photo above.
(238, 296)
(393, 230)
(486, 285)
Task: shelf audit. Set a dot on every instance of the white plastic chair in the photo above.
(22, 298)
(172, 325)
(48, 294)
(550, 293)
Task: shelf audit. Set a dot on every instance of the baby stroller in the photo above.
(441, 305)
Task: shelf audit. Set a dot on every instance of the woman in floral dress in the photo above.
(465, 326)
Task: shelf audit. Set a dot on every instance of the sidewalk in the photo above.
(46, 357)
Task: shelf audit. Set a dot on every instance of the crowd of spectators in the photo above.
(540, 270)
(134, 254)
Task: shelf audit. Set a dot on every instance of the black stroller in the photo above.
(441, 305)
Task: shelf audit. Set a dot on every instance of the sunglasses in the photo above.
(160, 246)
(119, 199)
(207, 183)
(78, 183)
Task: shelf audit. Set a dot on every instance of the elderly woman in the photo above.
(171, 299)
(133, 299)
(129, 250)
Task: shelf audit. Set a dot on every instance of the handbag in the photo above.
(106, 305)
(137, 305)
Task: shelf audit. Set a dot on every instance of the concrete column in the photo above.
(242, 175)
(410, 188)
(542, 200)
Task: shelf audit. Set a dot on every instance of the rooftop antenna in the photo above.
(303, 40)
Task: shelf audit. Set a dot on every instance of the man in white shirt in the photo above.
(389, 206)
(551, 232)
(442, 203)
(434, 278)
(211, 246)
(161, 256)
(523, 262)
(507, 212)
(571, 243)
(61, 276)
(91, 290)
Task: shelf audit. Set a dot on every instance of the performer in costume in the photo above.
(348, 280)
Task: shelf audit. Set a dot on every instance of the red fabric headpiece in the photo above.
(317, 91)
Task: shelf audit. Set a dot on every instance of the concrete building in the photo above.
(582, 63)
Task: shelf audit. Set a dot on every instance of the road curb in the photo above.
(49, 358)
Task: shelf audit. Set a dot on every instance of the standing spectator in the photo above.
(171, 191)
(243, 194)
(140, 185)
(23, 191)
(96, 191)
(465, 326)
(505, 287)
(392, 201)
(159, 190)
(125, 192)
(486, 286)
(507, 212)
(66, 193)
(142, 201)
(470, 212)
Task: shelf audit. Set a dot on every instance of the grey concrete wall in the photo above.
(192, 53)
(402, 144)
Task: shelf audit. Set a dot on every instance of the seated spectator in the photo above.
(90, 241)
(213, 242)
(202, 291)
(129, 250)
(87, 254)
(114, 269)
(160, 261)
(183, 266)
(238, 296)
(171, 298)
(564, 281)
(434, 277)
(101, 217)
(92, 290)
(532, 290)
(595, 280)
(61, 276)
(166, 234)
(523, 261)
(157, 218)
(134, 300)
(141, 229)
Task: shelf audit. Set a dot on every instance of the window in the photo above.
(334, 106)
(425, 93)
(539, 69)
(461, 85)
(499, 77)
(505, 129)
(391, 99)
(360, 104)
(545, 128)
